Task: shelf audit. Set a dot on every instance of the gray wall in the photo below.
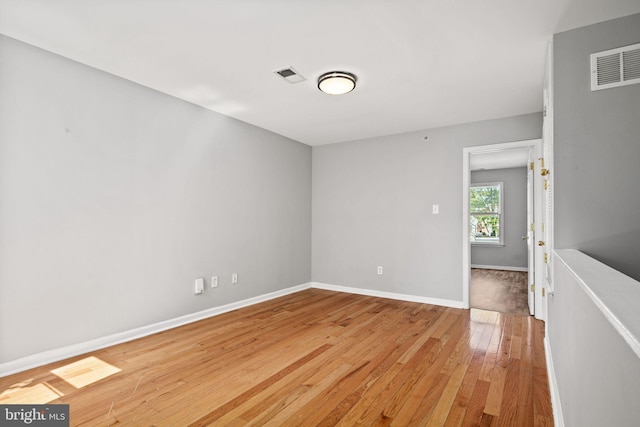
(114, 198)
(597, 150)
(514, 219)
(372, 203)
(597, 210)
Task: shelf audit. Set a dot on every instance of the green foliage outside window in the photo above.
(485, 199)
(485, 209)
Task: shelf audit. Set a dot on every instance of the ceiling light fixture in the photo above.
(337, 82)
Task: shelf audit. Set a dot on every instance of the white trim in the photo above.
(466, 241)
(390, 295)
(499, 267)
(556, 403)
(55, 355)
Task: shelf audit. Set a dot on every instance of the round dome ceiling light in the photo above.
(337, 82)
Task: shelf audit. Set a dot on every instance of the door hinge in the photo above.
(531, 165)
(532, 227)
(542, 291)
(546, 258)
(533, 287)
(541, 161)
(544, 111)
(546, 186)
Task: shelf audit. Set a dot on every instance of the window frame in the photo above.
(500, 241)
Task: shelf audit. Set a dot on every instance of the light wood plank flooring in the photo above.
(499, 290)
(311, 358)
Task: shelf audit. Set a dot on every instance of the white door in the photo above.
(529, 236)
(545, 259)
(546, 164)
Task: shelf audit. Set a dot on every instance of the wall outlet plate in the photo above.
(199, 286)
(214, 281)
(234, 278)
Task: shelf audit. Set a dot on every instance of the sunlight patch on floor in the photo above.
(85, 371)
(484, 316)
(38, 394)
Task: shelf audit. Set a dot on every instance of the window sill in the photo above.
(488, 244)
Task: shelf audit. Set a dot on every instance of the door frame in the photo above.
(536, 145)
(531, 242)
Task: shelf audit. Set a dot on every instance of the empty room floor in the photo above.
(500, 290)
(314, 357)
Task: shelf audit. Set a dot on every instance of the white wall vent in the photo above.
(615, 67)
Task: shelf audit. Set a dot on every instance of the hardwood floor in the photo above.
(311, 358)
(499, 290)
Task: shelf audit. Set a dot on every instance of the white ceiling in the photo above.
(420, 63)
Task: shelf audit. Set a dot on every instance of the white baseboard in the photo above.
(558, 420)
(55, 355)
(390, 295)
(499, 267)
(46, 357)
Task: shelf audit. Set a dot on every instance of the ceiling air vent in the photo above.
(615, 67)
(290, 75)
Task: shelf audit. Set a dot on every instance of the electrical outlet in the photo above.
(199, 288)
(234, 278)
(214, 281)
(435, 209)
(379, 270)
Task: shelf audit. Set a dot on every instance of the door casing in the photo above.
(536, 233)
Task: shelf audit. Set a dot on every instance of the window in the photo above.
(485, 208)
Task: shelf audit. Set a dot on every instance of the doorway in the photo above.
(503, 156)
(498, 202)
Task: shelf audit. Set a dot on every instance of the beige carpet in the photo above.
(499, 290)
